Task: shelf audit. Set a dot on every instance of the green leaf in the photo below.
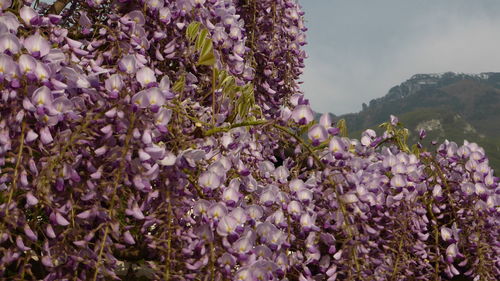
(192, 30)
(246, 101)
(202, 36)
(180, 84)
(343, 127)
(207, 56)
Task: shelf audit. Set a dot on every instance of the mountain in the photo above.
(449, 106)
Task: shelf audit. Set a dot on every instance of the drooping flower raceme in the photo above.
(169, 140)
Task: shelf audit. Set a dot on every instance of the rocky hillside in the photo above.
(449, 106)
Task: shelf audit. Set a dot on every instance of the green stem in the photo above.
(232, 126)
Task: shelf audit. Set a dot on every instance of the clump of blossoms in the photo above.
(168, 140)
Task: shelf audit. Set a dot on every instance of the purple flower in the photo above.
(9, 21)
(325, 121)
(244, 274)
(146, 77)
(165, 15)
(154, 4)
(5, 4)
(42, 97)
(8, 68)
(29, 233)
(227, 260)
(243, 245)
(45, 135)
(37, 45)
(9, 44)
(136, 17)
(437, 192)
(128, 238)
(296, 185)
(20, 244)
(42, 72)
(114, 85)
(29, 16)
(305, 195)
(317, 134)
(50, 231)
(452, 253)
(135, 212)
(62, 221)
(255, 212)
(422, 134)
(337, 146)
(209, 180)
(302, 114)
(205, 232)
(27, 64)
(62, 105)
(217, 211)
(227, 225)
(31, 199)
(268, 197)
(307, 222)
(398, 181)
(230, 196)
(367, 137)
(128, 64)
(151, 97)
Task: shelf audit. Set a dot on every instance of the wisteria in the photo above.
(169, 140)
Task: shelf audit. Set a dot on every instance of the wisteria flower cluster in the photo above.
(169, 140)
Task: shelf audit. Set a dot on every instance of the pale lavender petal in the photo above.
(128, 64)
(45, 135)
(47, 261)
(10, 43)
(128, 238)
(61, 220)
(20, 244)
(30, 233)
(302, 114)
(28, 15)
(145, 76)
(27, 63)
(50, 231)
(31, 199)
(31, 136)
(37, 45)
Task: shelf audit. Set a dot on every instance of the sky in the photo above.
(359, 49)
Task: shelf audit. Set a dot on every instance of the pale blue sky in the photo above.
(359, 49)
